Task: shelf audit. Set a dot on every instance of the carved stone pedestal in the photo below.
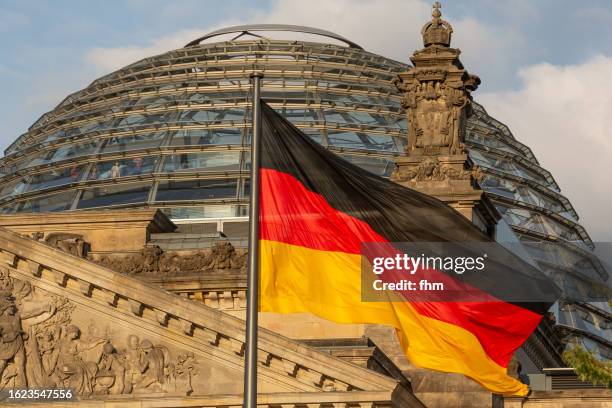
(452, 179)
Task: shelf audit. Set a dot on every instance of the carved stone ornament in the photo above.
(41, 347)
(152, 259)
(431, 169)
(436, 93)
(437, 31)
(72, 243)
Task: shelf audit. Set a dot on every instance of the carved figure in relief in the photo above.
(434, 124)
(156, 360)
(11, 340)
(150, 255)
(135, 363)
(18, 312)
(223, 256)
(111, 372)
(40, 347)
(70, 368)
(152, 259)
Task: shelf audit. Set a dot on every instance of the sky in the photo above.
(545, 65)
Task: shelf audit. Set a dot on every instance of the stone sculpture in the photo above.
(41, 347)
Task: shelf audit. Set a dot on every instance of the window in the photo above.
(55, 202)
(71, 151)
(190, 137)
(122, 168)
(202, 162)
(359, 140)
(212, 115)
(207, 211)
(180, 190)
(52, 178)
(133, 142)
(377, 165)
(114, 194)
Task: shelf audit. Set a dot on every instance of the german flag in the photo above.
(316, 211)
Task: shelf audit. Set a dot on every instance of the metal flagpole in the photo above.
(250, 372)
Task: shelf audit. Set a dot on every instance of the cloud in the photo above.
(105, 60)
(489, 51)
(386, 27)
(563, 114)
(367, 23)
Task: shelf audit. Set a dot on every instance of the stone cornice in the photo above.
(152, 218)
(356, 399)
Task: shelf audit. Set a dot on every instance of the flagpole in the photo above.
(250, 356)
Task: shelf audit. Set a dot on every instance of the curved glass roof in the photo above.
(173, 132)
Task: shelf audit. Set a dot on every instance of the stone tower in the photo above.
(437, 99)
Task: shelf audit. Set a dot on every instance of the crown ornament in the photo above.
(437, 31)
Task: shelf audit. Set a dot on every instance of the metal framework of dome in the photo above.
(251, 28)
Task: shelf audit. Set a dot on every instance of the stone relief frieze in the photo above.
(41, 346)
(152, 259)
(431, 169)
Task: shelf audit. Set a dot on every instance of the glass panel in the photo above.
(348, 99)
(190, 137)
(287, 96)
(52, 178)
(338, 117)
(10, 208)
(122, 168)
(511, 189)
(488, 140)
(55, 202)
(557, 254)
(366, 118)
(142, 119)
(377, 165)
(114, 194)
(12, 188)
(314, 135)
(537, 222)
(574, 286)
(133, 142)
(175, 190)
(504, 165)
(207, 211)
(62, 153)
(214, 97)
(298, 115)
(213, 115)
(359, 140)
(155, 101)
(399, 122)
(583, 319)
(202, 162)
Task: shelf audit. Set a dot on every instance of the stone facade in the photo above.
(70, 323)
(121, 340)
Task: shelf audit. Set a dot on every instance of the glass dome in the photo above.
(173, 131)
